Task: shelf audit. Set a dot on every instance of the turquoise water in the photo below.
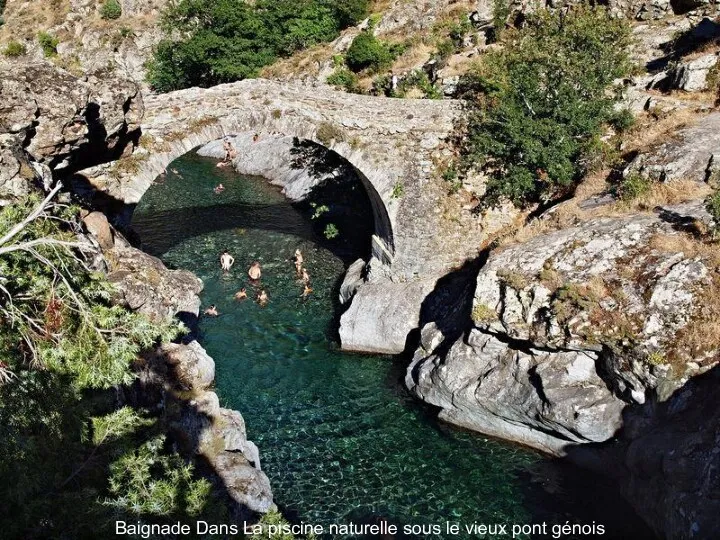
(339, 436)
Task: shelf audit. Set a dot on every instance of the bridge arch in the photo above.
(392, 144)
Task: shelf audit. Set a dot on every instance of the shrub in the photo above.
(328, 133)
(539, 105)
(48, 43)
(110, 10)
(331, 231)
(344, 78)
(14, 49)
(368, 52)
(398, 191)
(420, 80)
(634, 185)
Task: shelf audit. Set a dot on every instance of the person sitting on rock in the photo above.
(226, 261)
(219, 188)
(298, 261)
(211, 311)
(255, 271)
(241, 294)
(262, 297)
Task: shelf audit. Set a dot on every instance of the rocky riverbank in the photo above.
(51, 124)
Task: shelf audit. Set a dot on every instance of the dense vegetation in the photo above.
(72, 459)
(221, 41)
(540, 103)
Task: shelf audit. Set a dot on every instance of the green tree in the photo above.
(538, 106)
(226, 40)
(65, 350)
(368, 52)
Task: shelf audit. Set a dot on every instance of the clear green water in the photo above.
(340, 438)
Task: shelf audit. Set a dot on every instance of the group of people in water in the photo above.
(255, 273)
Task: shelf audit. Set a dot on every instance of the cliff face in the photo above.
(87, 44)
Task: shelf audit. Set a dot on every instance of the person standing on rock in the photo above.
(226, 261)
(255, 271)
(305, 277)
(230, 152)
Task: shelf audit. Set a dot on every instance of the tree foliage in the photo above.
(69, 457)
(368, 52)
(538, 105)
(220, 41)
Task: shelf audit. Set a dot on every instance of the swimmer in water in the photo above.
(226, 261)
(211, 311)
(306, 291)
(219, 189)
(262, 297)
(241, 294)
(255, 271)
(298, 261)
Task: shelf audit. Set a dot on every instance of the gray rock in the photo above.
(548, 400)
(352, 281)
(191, 366)
(147, 286)
(270, 157)
(381, 316)
(97, 224)
(689, 155)
(247, 486)
(564, 325)
(691, 76)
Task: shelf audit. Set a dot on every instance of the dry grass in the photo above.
(570, 213)
(653, 128)
(701, 336)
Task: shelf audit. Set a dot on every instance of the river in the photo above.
(340, 438)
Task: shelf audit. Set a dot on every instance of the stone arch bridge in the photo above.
(396, 147)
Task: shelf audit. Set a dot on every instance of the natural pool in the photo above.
(339, 436)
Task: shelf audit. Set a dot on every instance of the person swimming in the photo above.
(241, 294)
(219, 188)
(211, 311)
(226, 261)
(262, 297)
(305, 277)
(306, 291)
(255, 271)
(298, 260)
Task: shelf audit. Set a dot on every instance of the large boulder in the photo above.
(572, 326)
(692, 75)
(64, 120)
(146, 285)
